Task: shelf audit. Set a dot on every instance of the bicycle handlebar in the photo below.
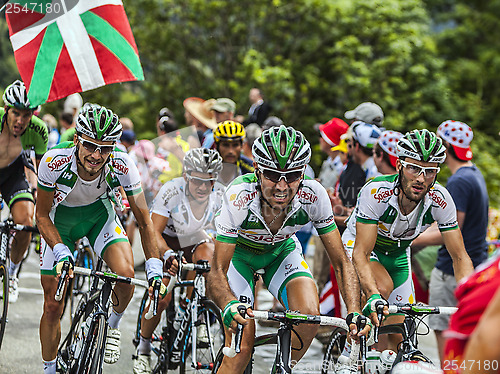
(420, 310)
(15, 226)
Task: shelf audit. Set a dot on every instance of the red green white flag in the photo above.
(67, 46)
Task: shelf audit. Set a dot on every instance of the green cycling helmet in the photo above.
(99, 123)
(421, 145)
(267, 150)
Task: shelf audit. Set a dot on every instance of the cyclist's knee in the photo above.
(52, 309)
(204, 251)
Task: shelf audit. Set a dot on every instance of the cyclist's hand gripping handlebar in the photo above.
(236, 338)
(62, 280)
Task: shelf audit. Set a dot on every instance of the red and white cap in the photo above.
(459, 135)
(388, 141)
(333, 130)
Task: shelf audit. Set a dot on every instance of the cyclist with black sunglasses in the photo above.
(391, 211)
(78, 183)
(256, 226)
(181, 212)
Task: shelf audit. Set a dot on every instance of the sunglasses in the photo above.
(197, 182)
(92, 147)
(416, 170)
(275, 176)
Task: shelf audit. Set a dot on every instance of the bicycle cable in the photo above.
(300, 340)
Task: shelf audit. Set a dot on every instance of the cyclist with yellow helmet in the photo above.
(228, 138)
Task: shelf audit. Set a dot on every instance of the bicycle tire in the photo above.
(93, 348)
(206, 354)
(333, 350)
(4, 294)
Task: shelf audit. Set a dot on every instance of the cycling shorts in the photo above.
(97, 221)
(280, 265)
(398, 265)
(173, 242)
(13, 183)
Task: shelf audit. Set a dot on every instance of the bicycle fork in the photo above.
(283, 351)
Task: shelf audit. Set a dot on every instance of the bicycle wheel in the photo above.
(333, 350)
(4, 299)
(210, 338)
(93, 349)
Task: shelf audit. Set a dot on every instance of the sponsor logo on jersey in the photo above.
(438, 198)
(288, 266)
(307, 196)
(265, 238)
(54, 163)
(289, 271)
(243, 198)
(382, 194)
(119, 166)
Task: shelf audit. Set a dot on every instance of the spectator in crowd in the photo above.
(68, 127)
(364, 137)
(330, 134)
(367, 112)
(224, 109)
(203, 118)
(259, 109)
(171, 146)
(229, 137)
(73, 104)
(54, 135)
(252, 131)
(468, 190)
(384, 152)
(127, 124)
(127, 140)
(272, 121)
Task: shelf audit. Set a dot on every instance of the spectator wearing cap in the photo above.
(73, 104)
(224, 109)
(364, 137)
(200, 114)
(330, 134)
(384, 152)
(367, 112)
(468, 189)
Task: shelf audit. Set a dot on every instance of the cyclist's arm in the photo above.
(432, 236)
(45, 225)
(218, 286)
(159, 223)
(462, 264)
(344, 270)
(483, 348)
(141, 213)
(366, 236)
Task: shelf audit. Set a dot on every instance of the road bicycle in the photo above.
(7, 229)
(407, 349)
(193, 346)
(82, 350)
(282, 338)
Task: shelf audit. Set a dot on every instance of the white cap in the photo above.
(73, 101)
(367, 112)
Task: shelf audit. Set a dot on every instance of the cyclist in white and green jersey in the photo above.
(393, 210)
(77, 182)
(256, 226)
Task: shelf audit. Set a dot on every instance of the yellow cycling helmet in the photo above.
(229, 131)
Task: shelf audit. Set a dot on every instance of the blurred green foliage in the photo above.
(423, 61)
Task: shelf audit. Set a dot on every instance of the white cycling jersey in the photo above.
(172, 202)
(377, 204)
(240, 218)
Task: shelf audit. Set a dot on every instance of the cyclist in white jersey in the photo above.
(183, 209)
(76, 186)
(393, 210)
(256, 226)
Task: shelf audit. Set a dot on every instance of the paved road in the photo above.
(20, 351)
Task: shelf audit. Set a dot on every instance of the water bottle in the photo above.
(178, 317)
(387, 358)
(372, 361)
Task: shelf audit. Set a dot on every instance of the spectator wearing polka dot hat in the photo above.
(468, 190)
(384, 152)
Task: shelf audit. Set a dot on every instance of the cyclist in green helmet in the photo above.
(20, 133)
(256, 226)
(391, 211)
(79, 183)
